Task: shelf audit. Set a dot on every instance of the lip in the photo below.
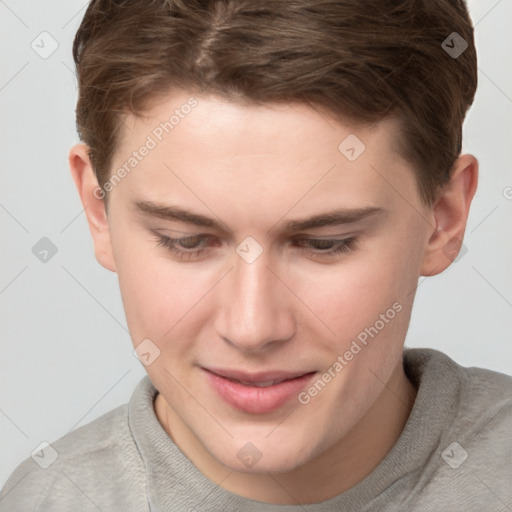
(256, 377)
(251, 398)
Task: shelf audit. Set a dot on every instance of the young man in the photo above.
(269, 180)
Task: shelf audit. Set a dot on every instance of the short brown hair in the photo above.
(360, 60)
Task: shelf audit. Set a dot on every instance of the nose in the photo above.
(256, 311)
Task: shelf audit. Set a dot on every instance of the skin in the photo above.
(252, 168)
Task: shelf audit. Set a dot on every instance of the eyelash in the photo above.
(342, 246)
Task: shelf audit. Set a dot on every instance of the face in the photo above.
(251, 294)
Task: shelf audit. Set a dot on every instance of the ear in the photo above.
(450, 212)
(92, 197)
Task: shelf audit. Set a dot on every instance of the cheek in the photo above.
(349, 298)
(158, 293)
(351, 292)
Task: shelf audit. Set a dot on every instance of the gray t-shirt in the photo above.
(455, 453)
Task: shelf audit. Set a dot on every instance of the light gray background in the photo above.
(65, 353)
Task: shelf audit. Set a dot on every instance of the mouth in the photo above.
(257, 393)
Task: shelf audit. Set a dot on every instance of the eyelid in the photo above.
(185, 234)
(341, 247)
(182, 234)
(171, 234)
(335, 236)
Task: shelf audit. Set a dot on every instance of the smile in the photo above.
(257, 393)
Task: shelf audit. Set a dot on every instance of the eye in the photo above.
(184, 248)
(334, 247)
(192, 247)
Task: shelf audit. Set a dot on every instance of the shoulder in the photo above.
(86, 465)
(478, 397)
(472, 408)
(483, 414)
(431, 365)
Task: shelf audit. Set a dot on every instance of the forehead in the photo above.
(277, 127)
(276, 153)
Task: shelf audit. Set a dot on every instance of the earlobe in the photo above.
(92, 200)
(450, 213)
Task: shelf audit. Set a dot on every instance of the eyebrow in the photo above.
(331, 218)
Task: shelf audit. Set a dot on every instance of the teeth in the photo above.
(260, 384)
(265, 384)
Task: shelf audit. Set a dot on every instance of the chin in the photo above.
(273, 465)
(257, 457)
